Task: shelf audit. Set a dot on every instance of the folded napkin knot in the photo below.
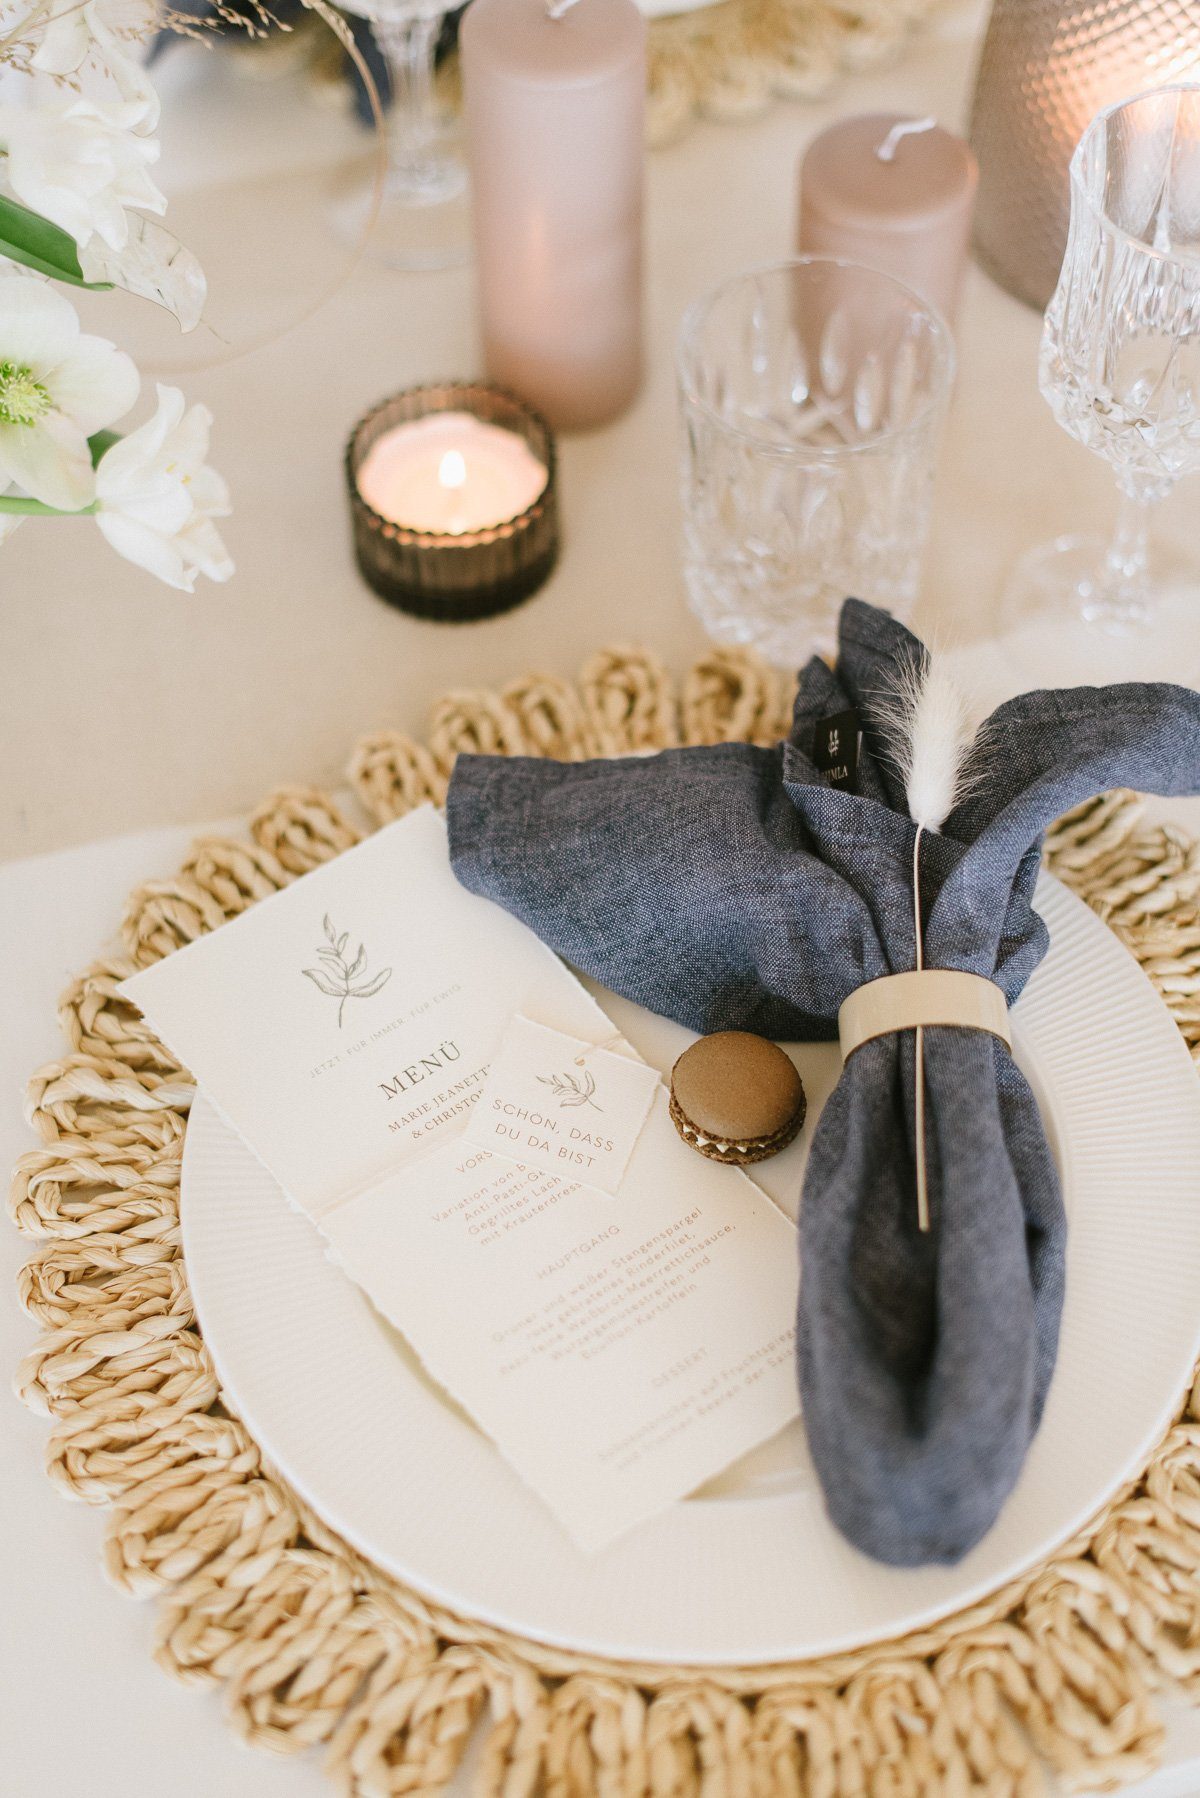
(919, 998)
(735, 888)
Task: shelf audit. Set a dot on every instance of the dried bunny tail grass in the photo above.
(930, 729)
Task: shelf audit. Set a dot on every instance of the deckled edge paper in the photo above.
(567, 1106)
(618, 1350)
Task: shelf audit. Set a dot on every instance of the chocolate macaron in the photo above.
(736, 1097)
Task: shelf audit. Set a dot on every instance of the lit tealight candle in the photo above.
(454, 500)
(449, 473)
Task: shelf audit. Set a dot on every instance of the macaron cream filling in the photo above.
(726, 1148)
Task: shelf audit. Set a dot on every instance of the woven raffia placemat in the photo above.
(312, 1644)
(729, 61)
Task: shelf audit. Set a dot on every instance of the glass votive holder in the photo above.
(454, 500)
(812, 395)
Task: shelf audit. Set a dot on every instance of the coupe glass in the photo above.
(1120, 356)
(811, 394)
(421, 222)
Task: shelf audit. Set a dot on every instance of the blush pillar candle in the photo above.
(896, 194)
(554, 102)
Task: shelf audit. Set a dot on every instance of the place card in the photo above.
(619, 1350)
(560, 1103)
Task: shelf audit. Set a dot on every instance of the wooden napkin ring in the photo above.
(933, 996)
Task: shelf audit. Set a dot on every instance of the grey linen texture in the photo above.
(732, 888)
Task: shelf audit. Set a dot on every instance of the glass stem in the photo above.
(1123, 590)
(410, 46)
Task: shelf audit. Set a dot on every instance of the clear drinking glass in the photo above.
(1120, 357)
(422, 220)
(812, 394)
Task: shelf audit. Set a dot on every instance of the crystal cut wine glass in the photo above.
(1120, 354)
(422, 220)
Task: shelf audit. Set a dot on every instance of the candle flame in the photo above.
(452, 470)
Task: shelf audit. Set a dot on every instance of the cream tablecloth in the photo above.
(124, 706)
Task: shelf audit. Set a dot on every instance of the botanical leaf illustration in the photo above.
(342, 979)
(570, 1090)
(372, 986)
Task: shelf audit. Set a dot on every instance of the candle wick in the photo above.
(891, 143)
(555, 9)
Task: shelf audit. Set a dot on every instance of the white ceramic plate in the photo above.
(749, 1570)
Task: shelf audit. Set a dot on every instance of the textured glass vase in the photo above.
(1048, 66)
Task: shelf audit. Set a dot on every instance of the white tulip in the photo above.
(58, 387)
(156, 497)
(77, 162)
(100, 29)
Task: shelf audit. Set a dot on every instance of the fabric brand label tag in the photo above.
(556, 1102)
(835, 750)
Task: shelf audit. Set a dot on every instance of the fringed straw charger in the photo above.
(315, 1647)
(730, 61)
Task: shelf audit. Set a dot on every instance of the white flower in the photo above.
(77, 162)
(58, 387)
(73, 32)
(8, 520)
(156, 497)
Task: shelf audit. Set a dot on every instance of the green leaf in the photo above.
(19, 505)
(101, 443)
(28, 238)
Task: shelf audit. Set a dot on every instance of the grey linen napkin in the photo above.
(733, 887)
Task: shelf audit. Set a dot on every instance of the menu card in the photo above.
(619, 1348)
